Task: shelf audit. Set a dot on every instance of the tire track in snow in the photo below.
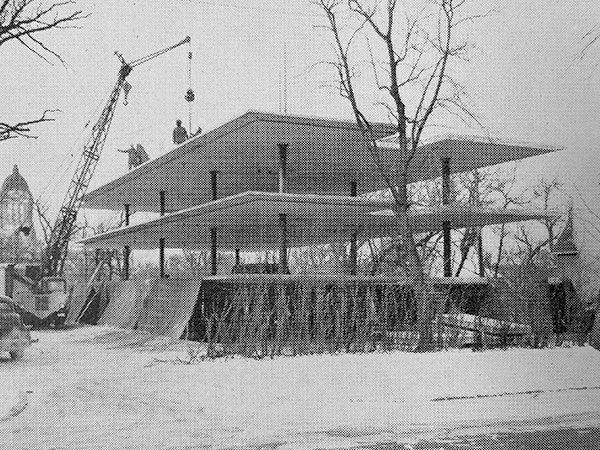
(506, 394)
(17, 409)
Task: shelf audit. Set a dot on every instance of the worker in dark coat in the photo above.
(179, 134)
(137, 155)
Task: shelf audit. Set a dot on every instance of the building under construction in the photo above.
(279, 183)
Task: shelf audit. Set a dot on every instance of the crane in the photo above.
(54, 257)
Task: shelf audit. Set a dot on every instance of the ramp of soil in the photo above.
(168, 306)
(126, 302)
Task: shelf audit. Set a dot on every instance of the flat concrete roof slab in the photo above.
(250, 221)
(324, 156)
(465, 153)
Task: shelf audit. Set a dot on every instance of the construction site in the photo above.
(322, 274)
(267, 189)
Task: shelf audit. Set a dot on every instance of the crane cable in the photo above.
(189, 95)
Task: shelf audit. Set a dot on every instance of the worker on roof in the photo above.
(137, 155)
(179, 133)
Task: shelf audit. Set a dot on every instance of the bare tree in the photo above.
(24, 22)
(418, 57)
(545, 192)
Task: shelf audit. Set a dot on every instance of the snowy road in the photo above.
(96, 388)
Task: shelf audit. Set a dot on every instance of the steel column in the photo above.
(283, 261)
(127, 213)
(213, 251)
(353, 254)
(161, 256)
(353, 239)
(481, 264)
(282, 165)
(126, 253)
(447, 254)
(162, 203)
(213, 184)
(126, 249)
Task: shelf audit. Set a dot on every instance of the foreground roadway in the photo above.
(100, 388)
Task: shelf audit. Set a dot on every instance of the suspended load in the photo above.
(126, 88)
(189, 96)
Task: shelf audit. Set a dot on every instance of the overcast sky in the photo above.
(524, 78)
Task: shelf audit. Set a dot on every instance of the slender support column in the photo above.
(353, 239)
(480, 262)
(126, 249)
(282, 165)
(213, 231)
(477, 201)
(161, 256)
(213, 251)
(353, 255)
(213, 184)
(126, 253)
(237, 256)
(162, 203)
(283, 260)
(446, 224)
(127, 213)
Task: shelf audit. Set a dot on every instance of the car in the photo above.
(14, 335)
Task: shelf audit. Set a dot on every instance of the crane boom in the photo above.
(57, 248)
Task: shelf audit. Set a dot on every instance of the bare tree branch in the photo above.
(24, 20)
(22, 129)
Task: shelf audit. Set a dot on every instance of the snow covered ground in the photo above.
(98, 388)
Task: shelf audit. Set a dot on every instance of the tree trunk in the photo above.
(413, 266)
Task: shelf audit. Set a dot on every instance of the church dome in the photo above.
(15, 182)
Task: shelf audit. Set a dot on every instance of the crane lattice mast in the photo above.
(62, 230)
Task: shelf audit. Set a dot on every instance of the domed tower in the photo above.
(16, 216)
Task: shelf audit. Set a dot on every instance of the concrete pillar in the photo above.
(126, 249)
(283, 261)
(126, 253)
(127, 209)
(213, 185)
(480, 264)
(282, 165)
(477, 200)
(353, 254)
(162, 203)
(447, 254)
(214, 195)
(353, 239)
(213, 251)
(161, 256)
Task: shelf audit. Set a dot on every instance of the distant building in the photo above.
(17, 233)
(566, 253)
